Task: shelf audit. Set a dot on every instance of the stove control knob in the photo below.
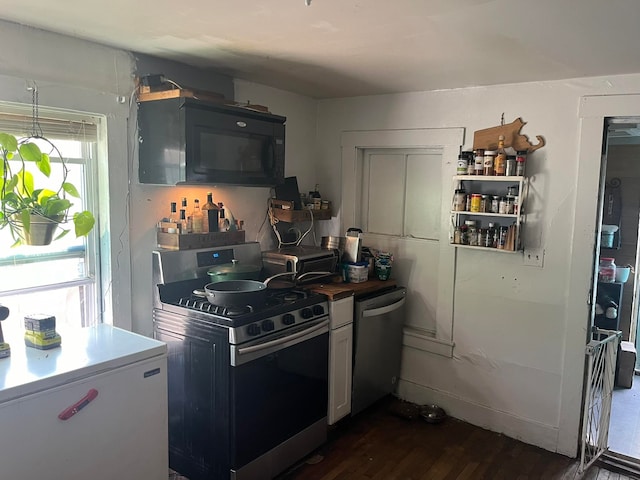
(268, 325)
(288, 319)
(253, 329)
(306, 313)
(318, 310)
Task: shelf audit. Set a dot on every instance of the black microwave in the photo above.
(189, 141)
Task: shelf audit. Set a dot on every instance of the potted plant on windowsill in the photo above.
(31, 212)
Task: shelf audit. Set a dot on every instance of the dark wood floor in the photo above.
(380, 444)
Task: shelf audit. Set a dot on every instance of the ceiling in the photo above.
(341, 48)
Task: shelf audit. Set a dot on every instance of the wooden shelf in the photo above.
(484, 214)
(283, 211)
(293, 216)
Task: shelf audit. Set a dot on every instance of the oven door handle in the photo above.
(301, 336)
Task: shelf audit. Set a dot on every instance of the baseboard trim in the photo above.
(533, 433)
(421, 340)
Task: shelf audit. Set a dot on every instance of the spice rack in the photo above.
(489, 186)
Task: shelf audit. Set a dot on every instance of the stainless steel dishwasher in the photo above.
(377, 346)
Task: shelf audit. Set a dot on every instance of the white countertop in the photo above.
(83, 352)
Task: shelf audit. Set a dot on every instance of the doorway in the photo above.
(621, 214)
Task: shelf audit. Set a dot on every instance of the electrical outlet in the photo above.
(534, 258)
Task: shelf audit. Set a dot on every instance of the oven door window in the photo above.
(277, 396)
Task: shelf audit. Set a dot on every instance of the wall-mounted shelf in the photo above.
(489, 186)
(283, 211)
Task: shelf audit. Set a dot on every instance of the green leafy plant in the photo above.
(22, 201)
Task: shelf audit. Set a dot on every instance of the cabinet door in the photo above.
(340, 368)
(121, 433)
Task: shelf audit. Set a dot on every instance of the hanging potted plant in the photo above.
(33, 213)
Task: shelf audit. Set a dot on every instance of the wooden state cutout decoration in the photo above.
(487, 138)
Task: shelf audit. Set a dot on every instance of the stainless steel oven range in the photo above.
(247, 386)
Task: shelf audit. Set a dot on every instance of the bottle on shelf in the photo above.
(223, 223)
(187, 217)
(173, 217)
(210, 214)
(500, 163)
(316, 198)
(196, 217)
(184, 225)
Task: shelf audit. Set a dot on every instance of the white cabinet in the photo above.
(340, 358)
(509, 219)
(119, 428)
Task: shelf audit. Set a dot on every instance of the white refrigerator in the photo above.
(93, 408)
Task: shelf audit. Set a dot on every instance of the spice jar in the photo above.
(459, 200)
(472, 232)
(470, 162)
(464, 235)
(478, 163)
(488, 239)
(607, 270)
(457, 235)
(502, 208)
(489, 158)
(462, 165)
(521, 158)
(484, 203)
(510, 169)
(476, 202)
(495, 204)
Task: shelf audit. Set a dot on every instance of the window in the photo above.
(60, 279)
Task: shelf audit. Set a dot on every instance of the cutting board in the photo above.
(336, 291)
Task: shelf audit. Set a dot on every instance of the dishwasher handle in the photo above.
(386, 309)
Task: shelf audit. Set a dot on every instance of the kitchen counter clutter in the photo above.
(94, 407)
(337, 290)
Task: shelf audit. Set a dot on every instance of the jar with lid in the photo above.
(457, 235)
(502, 207)
(476, 202)
(510, 169)
(495, 204)
(607, 270)
(459, 200)
(484, 203)
(488, 237)
(462, 164)
(482, 237)
(489, 158)
(470, 162)
(472, 232)
(478, 163)
(521, 158)
(464, 235)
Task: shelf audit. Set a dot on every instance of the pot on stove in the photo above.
(234, 271)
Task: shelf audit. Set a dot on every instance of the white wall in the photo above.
(86, 77)
(512, 325)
